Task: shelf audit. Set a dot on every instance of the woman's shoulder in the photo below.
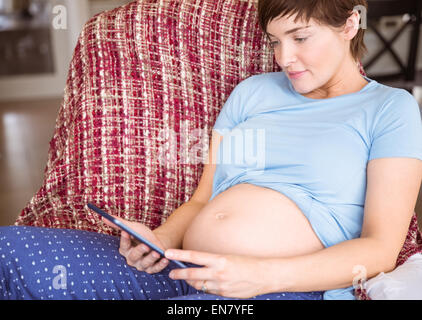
(272, 77)
(391, 94)
(263, 81)
(394, 104)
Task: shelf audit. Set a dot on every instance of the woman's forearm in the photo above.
(331, 268)
(173, 230)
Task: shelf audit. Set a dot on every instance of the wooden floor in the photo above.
(25, 132)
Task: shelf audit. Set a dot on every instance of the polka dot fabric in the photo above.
(65, 264)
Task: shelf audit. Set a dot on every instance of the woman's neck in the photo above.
(346, 81)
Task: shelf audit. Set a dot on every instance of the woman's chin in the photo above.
(301, 89)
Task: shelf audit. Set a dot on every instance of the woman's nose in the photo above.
(285, 56)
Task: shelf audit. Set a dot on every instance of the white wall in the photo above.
(24, 87)
(27, 87)
(97, 6)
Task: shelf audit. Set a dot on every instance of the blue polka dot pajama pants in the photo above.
(62, 264)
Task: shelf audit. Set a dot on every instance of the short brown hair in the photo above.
(332, 13)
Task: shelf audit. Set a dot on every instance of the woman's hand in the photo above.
(224, 275)
(137, 254)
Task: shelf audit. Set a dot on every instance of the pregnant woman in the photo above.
(326, 201)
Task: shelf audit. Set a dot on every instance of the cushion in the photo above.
(403, 283)
(412, 245)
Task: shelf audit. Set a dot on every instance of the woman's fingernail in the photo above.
(169, 254)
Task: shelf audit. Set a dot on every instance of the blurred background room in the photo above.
(37, 38)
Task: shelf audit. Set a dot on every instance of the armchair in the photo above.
(139, 74)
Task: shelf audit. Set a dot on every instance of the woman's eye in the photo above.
(273, 43)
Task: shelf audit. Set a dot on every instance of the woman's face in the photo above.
(317, 51)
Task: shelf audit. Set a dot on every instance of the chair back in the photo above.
(145, 86)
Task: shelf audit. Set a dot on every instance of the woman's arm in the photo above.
(392, 190)
(331, 268)
(173, 230)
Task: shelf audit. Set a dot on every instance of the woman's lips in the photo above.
(296, 75)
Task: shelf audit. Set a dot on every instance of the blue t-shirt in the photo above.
(314, 151)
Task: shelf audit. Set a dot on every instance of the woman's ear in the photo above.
(351, 27)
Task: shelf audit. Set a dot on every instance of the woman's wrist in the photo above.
(273, 270)
(164, 238)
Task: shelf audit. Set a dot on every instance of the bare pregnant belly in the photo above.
(251, 220)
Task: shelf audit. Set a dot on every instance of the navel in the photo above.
(220, 216)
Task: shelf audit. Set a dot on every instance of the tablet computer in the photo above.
(134, 234)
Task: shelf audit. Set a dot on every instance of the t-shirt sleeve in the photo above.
(231, 114)
(397, 130)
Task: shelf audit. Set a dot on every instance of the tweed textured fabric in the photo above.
(146, 82)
